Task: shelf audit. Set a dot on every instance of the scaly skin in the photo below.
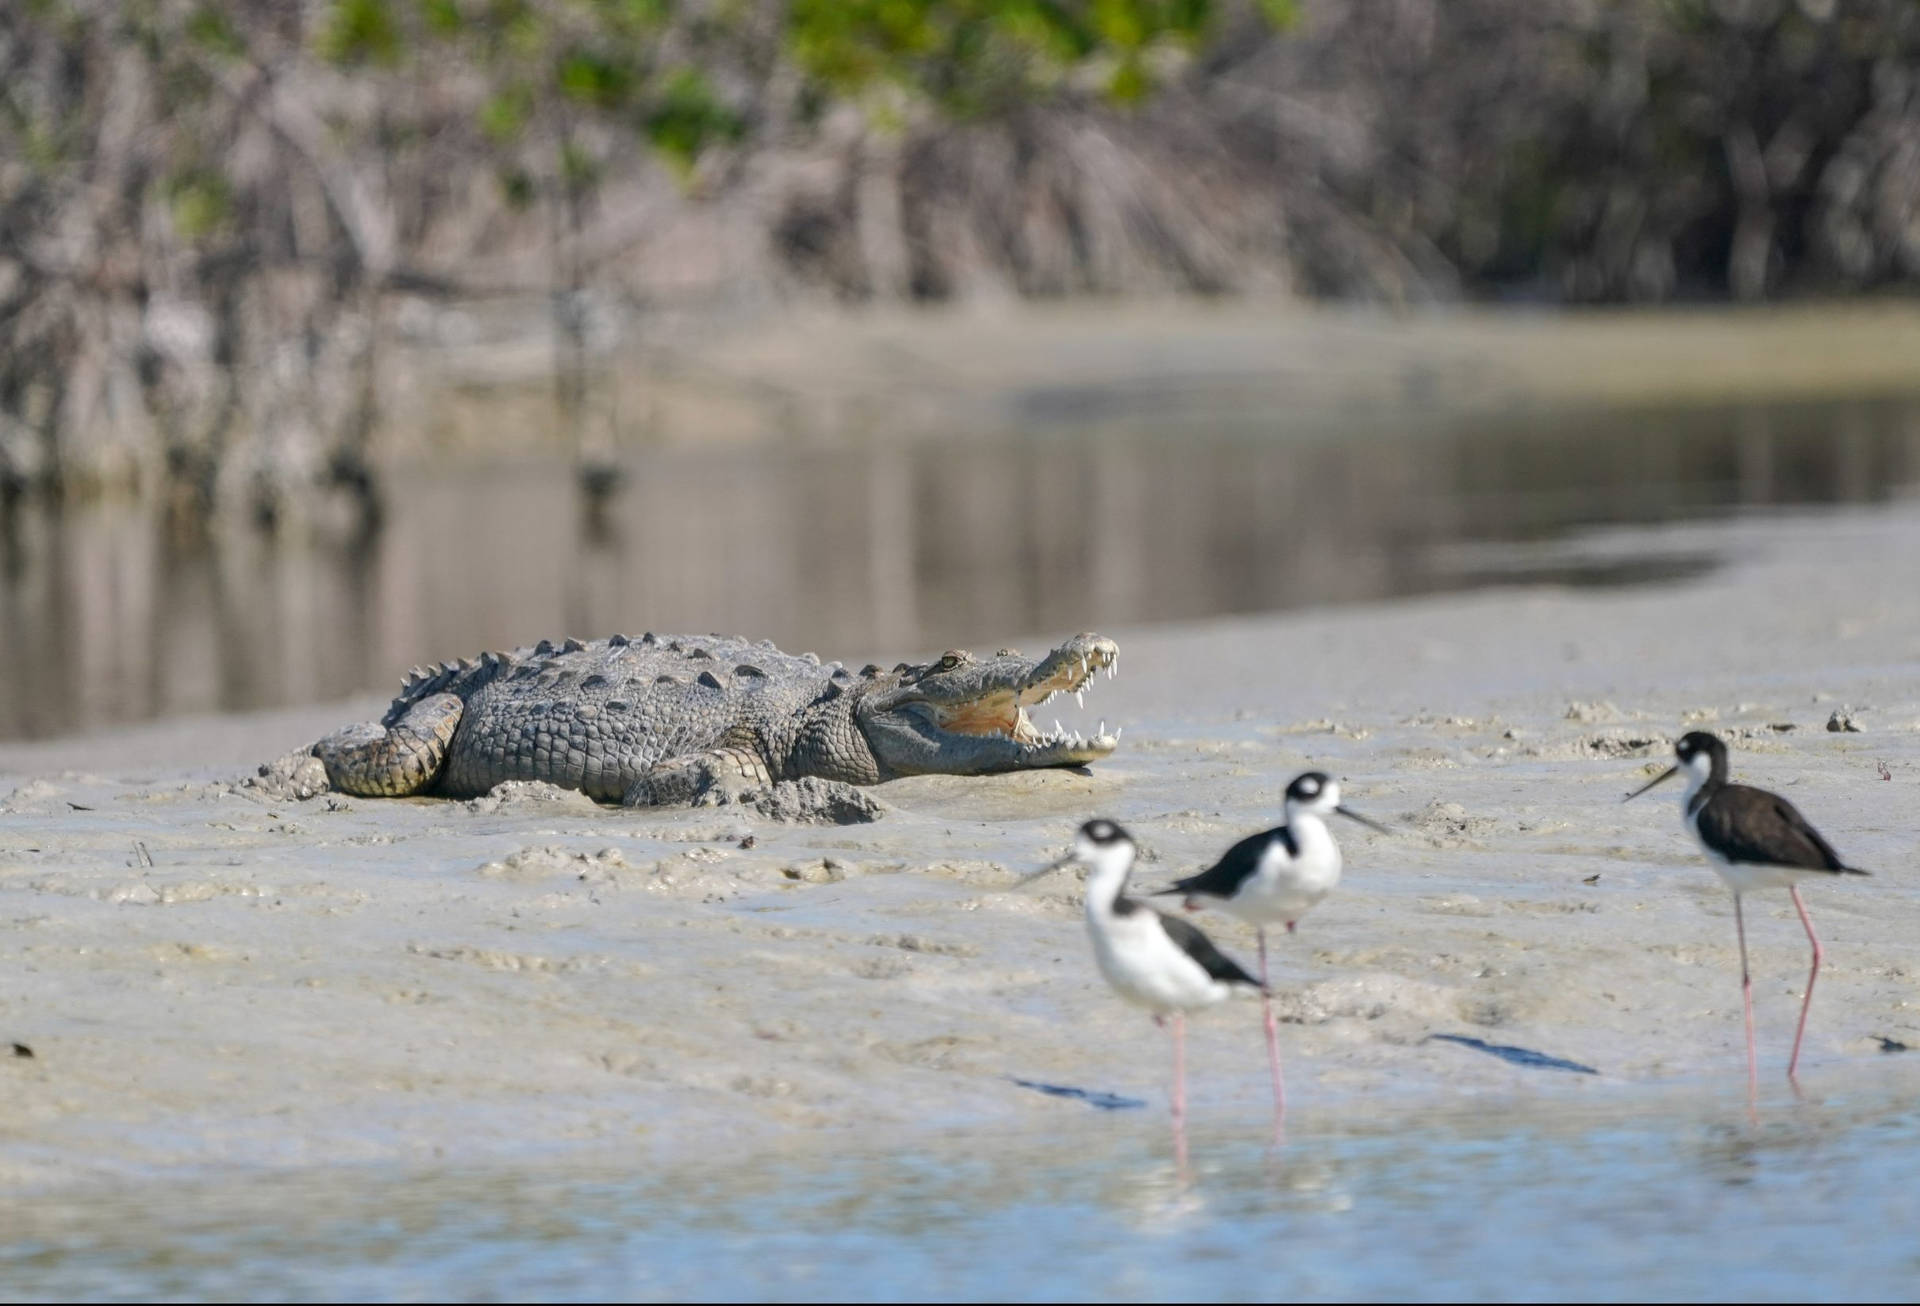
(670, 718)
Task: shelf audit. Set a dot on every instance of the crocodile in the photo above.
(684, 719)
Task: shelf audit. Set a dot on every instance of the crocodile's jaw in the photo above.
(937, 729)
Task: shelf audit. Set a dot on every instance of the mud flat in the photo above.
(206, 978)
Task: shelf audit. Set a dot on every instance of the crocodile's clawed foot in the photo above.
(725, 789)
(297, 777)
(711, 779)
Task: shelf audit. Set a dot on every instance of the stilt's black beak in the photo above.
(1352, 815)
(1667, 774)
(1048, 869)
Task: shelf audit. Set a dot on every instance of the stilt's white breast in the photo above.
(1145, 966)
(1284, 887)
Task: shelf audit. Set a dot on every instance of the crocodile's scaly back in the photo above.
(597, 717)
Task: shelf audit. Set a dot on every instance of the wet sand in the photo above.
(292, 984)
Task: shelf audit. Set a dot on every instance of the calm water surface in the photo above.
(1629, 1192)
(863, 550)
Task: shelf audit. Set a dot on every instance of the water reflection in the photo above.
(1637, 1193)
(863, 550)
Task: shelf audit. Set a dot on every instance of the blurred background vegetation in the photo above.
(217, 217)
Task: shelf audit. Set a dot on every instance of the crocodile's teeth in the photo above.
(1080, 697)
(1118, 732)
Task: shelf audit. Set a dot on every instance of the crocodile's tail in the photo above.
(406, 751)
(404, 756)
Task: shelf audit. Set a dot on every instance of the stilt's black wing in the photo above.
(1761, 828)
(1198, 946)
(1224, 878)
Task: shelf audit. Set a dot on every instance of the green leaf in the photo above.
(687, 118)
(359, 31)
(978, 56)
(442, 16)
(518, 187)
(1280, 13)
(591, 79)
(211, 30)
(637, 15)
(505, 116)
(578, 168)
(200, 201)
(1120, 23)
(1130, 83)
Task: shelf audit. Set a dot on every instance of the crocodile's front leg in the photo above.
(704, 779)
(376, 761)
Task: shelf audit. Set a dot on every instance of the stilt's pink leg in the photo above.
(1179, 1069)
(1180, 1092)
(1793, 1063)
(1746, 998)
(1273, 1041)
(1179, 1089)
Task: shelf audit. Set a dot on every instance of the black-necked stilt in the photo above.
(1275, 878)
(1755, 840)
(1152, 960)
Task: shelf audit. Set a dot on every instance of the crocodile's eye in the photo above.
(949, 662)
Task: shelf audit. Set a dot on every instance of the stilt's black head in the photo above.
(1702, 754)
(1318, 793)
(1099, 844)
(1103, 833)
(1308, 787)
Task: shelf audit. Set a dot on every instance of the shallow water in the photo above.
(1623, 1191)
(868, 550)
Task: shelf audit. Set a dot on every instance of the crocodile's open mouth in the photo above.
(1003, 713)
(965, 715)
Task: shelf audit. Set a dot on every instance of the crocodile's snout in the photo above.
(971, 714)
